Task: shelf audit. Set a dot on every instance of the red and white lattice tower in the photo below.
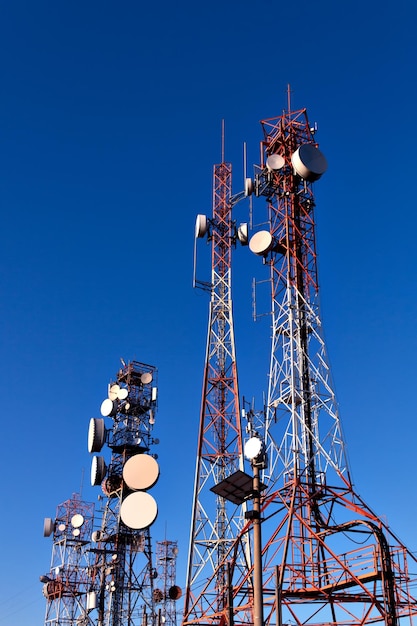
(102, 569)
(326, 557)
(216, 521)
(166, 592)
(66, 586)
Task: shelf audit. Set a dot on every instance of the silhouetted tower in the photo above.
(122, 575)
(215, 521)
(166, 592)
(66, 586)
(326, 557)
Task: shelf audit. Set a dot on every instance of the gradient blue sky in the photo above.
(110, 120)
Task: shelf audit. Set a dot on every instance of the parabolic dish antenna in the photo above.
(77, 520)
(253, 448)
(309, 162)
(122, 393)
(174, 592)
(138, 510)
(275, 162)
(96, 434)
(261, 242)
(200, 225)
(146, 378)
(48, 526)
(98, 470)
(141, 471)
(242, 234)
(108, 407)
(113, 392)
(248, 187)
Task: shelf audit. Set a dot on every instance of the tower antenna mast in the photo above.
(215, 521)
(327, 558)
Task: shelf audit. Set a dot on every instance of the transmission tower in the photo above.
(123, 573)
(166, 592)
(216, 521)
(326, 557)
(66, 586)
(102, 571)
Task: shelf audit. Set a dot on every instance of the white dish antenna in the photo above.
(248, 187)
(242, 234)
(98, 470)
(138, 510)
(309, 162)
(77, 520)
(146, 378)
(108, 408)
(141, 471)
(253, 448)
(113, 392)
(275, 162)
(123, 393)
(200, 226)
(261, 243)
(48, 526)
(96, 434)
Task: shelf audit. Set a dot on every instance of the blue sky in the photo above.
(110, 123)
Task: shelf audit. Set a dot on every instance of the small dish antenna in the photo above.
(77, 520)
(123, 393)
(146, 378)
(98, 470)
(248, 187)
(200, 226)
(108, 407)
(48, 526)
(114, 392)
(96, 434)
(275, 162)
(242, 234)
(253, 448)
(261, 243)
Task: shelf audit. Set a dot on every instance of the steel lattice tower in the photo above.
(215, 522)
(122, 575)
(66, 586)
(326, 557)
(102, 571)
(166, 592)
